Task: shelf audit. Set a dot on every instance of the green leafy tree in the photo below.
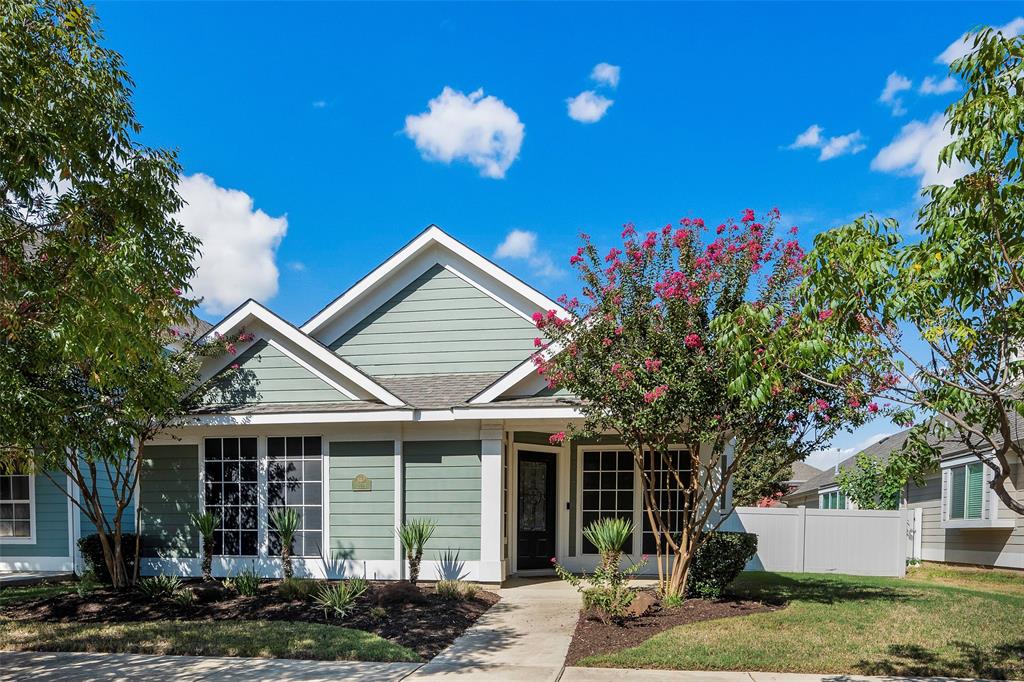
(954, 288)
(872, 484)
(656, 358)
(762, 476)
(92, 269)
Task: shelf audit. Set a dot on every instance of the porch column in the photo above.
(491, 501)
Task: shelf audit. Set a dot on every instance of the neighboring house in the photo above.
(412, 394)
(802, 472)
(962, 520)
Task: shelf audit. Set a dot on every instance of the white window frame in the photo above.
(822, 492)
(638, 500)
(31, 539)
(989, 501)
(324, 493)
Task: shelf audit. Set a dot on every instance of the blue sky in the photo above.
(316, 139)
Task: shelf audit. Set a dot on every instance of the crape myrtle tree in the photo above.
(92, 265)
(651, 353)
(932, 323)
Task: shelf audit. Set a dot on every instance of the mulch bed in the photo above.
(427, 625)
(593, 637)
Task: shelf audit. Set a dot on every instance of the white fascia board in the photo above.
(252, 309)
(518, 373)
(432, 235)
(454, 414)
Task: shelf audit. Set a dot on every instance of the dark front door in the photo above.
(536, 510)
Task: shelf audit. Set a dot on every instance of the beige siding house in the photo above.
(961, 519)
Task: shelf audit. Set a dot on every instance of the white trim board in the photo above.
(451, 254)
(253, 310)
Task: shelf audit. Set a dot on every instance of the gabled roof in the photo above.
(880, 450)
(802, 471)
(433, 237)
(252, 310)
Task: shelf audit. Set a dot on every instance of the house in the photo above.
(411, 395)
(960, 520)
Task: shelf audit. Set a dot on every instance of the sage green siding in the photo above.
(438, 324)
(109, 506)
(442, 482)
(169, 493)
(51, 516)
(362, 524)
(266, 375)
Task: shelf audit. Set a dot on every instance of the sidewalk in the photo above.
(525, 637)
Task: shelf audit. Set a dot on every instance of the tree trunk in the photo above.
(286, 561)
(414, 567)
(208, 559)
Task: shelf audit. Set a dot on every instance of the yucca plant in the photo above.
(413, 535)
(206, 524)
(340, 598)
(286, 521)
(609, 535)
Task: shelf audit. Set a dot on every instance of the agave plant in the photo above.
(414, 534)
(609, 535)
(285, 521)
(206, 524)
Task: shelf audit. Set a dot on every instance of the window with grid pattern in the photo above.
(667, 492)
(833, 500)
(231, 476)
(15, 506)
(607, 489)
(295, 480)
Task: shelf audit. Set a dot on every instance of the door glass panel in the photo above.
(533, 496)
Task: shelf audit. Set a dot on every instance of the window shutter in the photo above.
(956, 507)
(975, 489)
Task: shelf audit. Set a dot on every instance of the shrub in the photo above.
(456, 590)
(719, 560)
(609, 535)
(340, 598)
(414, 535)
(378, 613)
(184, 597)
(606, 592)
(286, 522)
(399, 593)
(297, 588)
(158, 586)
(206, 524)
(609, 602)
(92, 554)
(246, 583)
(86, 583)
(672, 601)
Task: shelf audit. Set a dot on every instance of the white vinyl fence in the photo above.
(854, 541)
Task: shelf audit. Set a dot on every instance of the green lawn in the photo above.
(845, 624)
(273, 639)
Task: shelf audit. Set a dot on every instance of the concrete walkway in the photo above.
(66, 667)
(523, 637)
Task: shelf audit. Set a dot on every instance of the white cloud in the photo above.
(319, 104)
(960, 47)
(239, 244)
(841, 145)
(522, 245)
(606, 74)
(481, 130)
(895, 83)
(297, 266)
(809, 138)
(915, 151)
(930, 86)
(588, 107)
(831, 147)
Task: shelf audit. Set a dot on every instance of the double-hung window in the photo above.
(232, 494)
(607, 489)
(16, 508)
(295, 481)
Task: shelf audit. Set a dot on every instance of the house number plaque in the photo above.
(362, 483)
